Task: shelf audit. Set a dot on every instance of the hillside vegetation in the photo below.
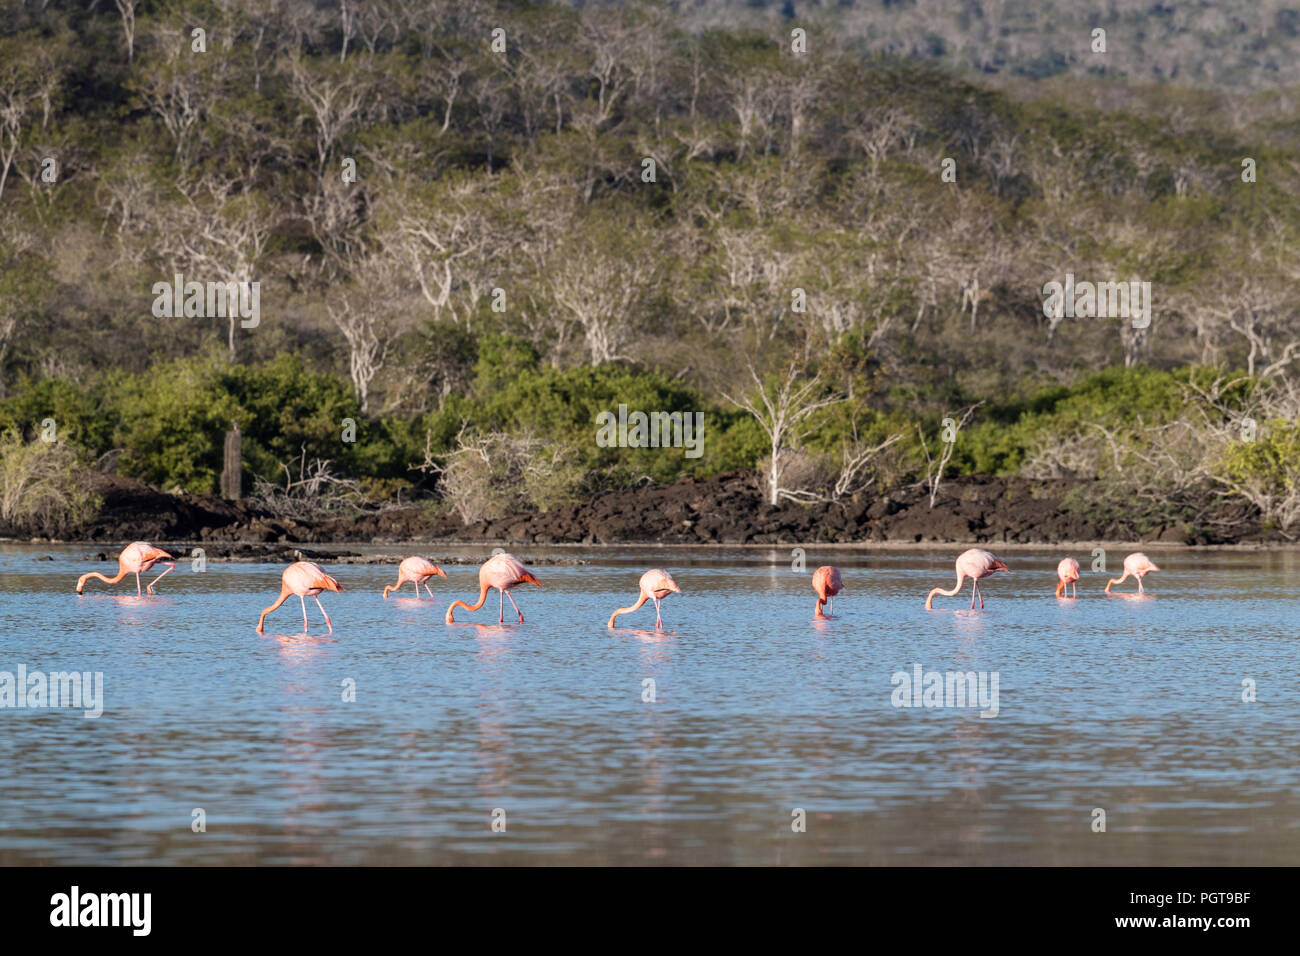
(465, 253)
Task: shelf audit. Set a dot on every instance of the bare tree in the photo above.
(857, 466)
(316, 490)
(934, 468)
(368, 319)
(175, 85)
(335, 98)
(783, 409)
(14, 99)
(223, 235)
(127, 9)
(1261, 315)
(599, 279)
(438, 237)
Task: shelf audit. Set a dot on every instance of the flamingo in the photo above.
(501, 571)
(656, 585)
(974, 564)
(1139, 566)
(303, 578)
(416, 570)
(1068, 572)
(134, 559)
(826, 582)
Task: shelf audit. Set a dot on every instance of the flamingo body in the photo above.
(656, 584)
(826, 582)
(136, 558)
(501, 571)
(1136, 565)
(1068, 572)
(416, 570)
(305, 580)
(974, 564)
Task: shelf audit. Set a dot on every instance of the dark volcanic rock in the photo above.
(725, 509)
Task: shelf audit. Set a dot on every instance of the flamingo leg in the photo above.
(515, 606)
(149, 586)
(501, 606)
(304, 613)
(1140, 588)
(659, 622)
(137, 584)
(322, 610)
(973, 585)
(426, 587)
(1074, 589)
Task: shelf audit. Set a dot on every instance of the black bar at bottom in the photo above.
(337, 905)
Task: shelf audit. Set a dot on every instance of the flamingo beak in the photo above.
(439, 571)
(530, 579)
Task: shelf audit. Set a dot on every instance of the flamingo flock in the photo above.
(504, 572)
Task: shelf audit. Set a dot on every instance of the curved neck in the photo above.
(955, 588)
(81, 583)
(627, 610)
(284, 596)
(482, 596)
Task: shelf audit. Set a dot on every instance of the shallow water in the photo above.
(1131, 706)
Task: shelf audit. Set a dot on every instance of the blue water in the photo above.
(1130, 706)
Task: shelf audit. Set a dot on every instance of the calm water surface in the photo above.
(1132, 706)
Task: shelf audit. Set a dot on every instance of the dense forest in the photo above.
(475, 226)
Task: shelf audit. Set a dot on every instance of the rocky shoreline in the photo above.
(726, 509)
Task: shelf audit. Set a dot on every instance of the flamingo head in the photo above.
(439, 571)
(998, 566)
(527, 578)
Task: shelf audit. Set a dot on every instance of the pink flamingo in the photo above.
(416, 570)
(135, 558)
(501, 571)
(303, 578)
(655, 586)
(974, 564)
(826, 582)
(1068, 572)
(1139, 566)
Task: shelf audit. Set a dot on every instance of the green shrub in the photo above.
(40, 488)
